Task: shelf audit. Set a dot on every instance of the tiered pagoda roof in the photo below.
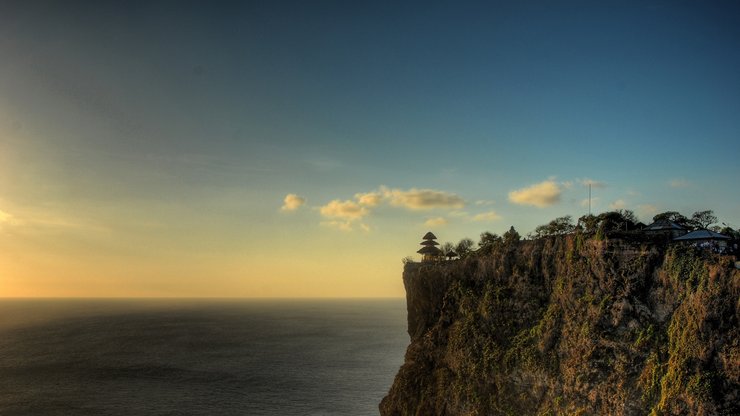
(429, 251)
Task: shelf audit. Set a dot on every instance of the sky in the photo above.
(302, 149)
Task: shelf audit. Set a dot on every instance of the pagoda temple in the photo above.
(429, 251)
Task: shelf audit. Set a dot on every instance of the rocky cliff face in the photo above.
(572, 326)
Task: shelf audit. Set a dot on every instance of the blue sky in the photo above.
(170, 133)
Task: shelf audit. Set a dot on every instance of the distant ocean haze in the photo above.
(198, 357)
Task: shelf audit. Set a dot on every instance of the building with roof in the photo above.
(429, 252)
(705, 238)
(665, 227)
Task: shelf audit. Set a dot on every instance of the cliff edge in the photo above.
(569, 325)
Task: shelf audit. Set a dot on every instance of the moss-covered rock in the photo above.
(572, 325)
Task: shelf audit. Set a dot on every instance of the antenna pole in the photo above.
(589, 199)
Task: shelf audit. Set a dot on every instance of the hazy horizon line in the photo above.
(201, 297)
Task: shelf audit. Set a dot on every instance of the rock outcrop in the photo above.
(570, 325)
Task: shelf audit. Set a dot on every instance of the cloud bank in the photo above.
(422, 199)
(348, 210)
(541, 195)
(369, 199)
(341, 214)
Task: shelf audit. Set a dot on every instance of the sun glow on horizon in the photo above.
(274, 151)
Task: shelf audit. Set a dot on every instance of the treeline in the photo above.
(600, 226)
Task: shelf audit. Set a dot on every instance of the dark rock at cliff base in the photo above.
(572, 325)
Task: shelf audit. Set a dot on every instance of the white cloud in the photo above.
(292, 202)
(486, 216)
(344, 213)
(436, 222)
(422, 199)
(484, 202)
(618, 204)
(369, 199)
(543, 194)
(348, 210)
(679, 183)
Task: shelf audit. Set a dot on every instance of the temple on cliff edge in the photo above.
(429, 251)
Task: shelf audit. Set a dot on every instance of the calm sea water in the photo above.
(225, 357)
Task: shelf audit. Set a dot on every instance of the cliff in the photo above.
(570, 325)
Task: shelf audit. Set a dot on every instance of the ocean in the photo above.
(198, 357)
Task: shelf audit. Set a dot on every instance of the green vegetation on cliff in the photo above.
(572, 325)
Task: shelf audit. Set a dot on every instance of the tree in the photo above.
(487, 242)
(464, 247)
(562, 225)
(728, 231)
(702, 219)
(589, 223)
(672, 216)
(628, 215)
(511, 236)
(610, 221)
(558, 226)
(619, 220)
(447, 247)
